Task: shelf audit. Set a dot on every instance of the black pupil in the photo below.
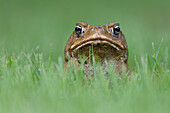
(78, 30)
(117, 28)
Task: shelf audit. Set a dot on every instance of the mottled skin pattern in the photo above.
(105, 45)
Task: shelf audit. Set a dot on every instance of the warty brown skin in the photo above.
(106, 47)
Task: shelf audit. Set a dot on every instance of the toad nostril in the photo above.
(92, 29)
(102, 29)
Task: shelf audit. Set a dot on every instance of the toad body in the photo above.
(105, 42)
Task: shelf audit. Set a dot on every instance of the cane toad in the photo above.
(106, 42)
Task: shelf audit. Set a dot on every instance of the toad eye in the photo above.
(115, 31)
(79, 31)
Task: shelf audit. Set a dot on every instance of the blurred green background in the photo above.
(28, 85)
(47, 24)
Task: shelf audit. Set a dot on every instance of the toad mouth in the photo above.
(98, 40)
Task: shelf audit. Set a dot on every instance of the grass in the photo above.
(29, 83)
(32, 79)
